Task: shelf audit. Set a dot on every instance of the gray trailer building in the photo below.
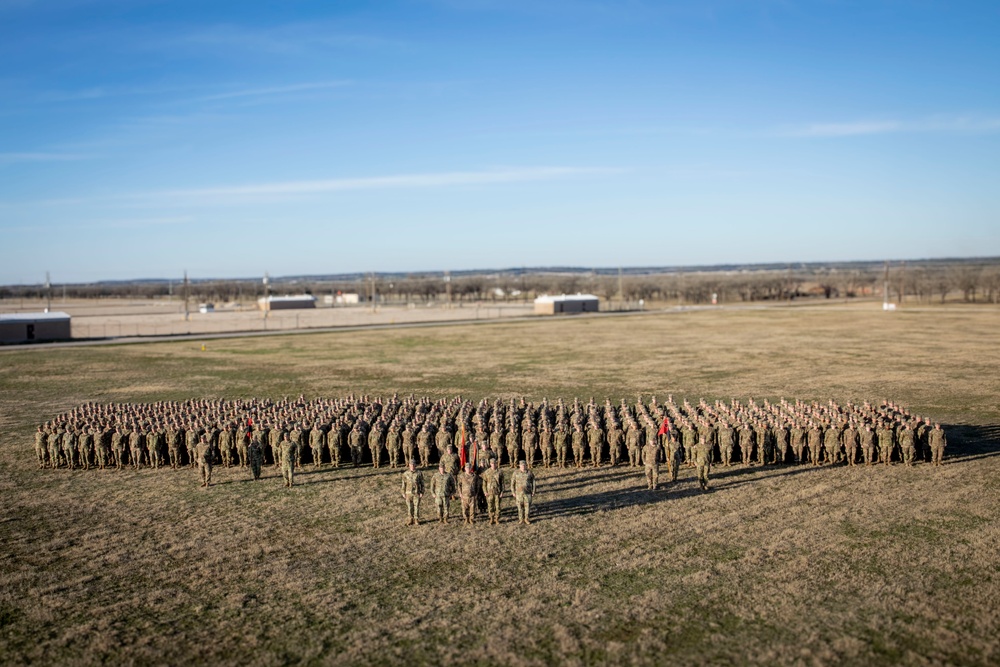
(34, 327)
(287, 302)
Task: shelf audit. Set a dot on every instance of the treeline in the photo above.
(972, 281)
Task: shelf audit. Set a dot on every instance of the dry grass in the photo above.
(775, 566)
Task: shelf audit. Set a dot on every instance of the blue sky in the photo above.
(139, 139)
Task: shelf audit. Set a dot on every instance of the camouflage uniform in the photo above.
(442, 488)
(287, 448)
(493, 483)
(255, 456)
(703, 461)
(468, 492)
(522, 487)
(651, 455)
(203, 455)
(413, 490)
(937, 441)
(726, 444)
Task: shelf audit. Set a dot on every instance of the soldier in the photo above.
(867, 438)
(354, 440)
(578, 446)
(798, 440)
(118, 448)
(442, 488)
(393, 444)
(174, 439)
(288, 458)
(413, 491)
(651, 457)
(673, 454)
(226, 445)
(155, 440)
(375, 437)
(688, 439)
(191, 442)
(762, 438)
(317, 442)
(102, 439)
(530, 443)
(513, 446)
(69, 446)
(450, 461)
(468, 491)
(703, 461)
(615, 437)
(831, 443)
(55, 445)
(815, 440)
(907, 444)
(726, 443)
(255, 456)
(937, 441)
(135, 445)
(633, 443)
(779, 436)
(595, 440)
(522, 487)
(850, 439)
(203, 455)
(41, 447)
(409, 443)
(886, 442)
(493, 483)
(746, 443)
(424, 439)
(274, 438)
(442, 439)
(562, 447)
(84, 444)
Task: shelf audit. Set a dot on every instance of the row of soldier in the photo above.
(400, 430)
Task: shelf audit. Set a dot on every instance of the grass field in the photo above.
(787, 565)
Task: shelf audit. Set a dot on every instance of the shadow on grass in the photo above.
(968, 442)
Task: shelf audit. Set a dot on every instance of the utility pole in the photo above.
(885, 288)
(48, 293)
(447, 287)
(187, 295)
(902, 283)
(621, 290)
(371, 288)
(267, 296)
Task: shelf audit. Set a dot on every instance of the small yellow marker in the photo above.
(202, 347)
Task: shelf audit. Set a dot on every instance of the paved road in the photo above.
(134, 340)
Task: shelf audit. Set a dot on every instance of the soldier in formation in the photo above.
(559, 433)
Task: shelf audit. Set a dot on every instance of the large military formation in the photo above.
(469, 443)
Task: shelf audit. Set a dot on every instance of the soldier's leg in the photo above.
(656, 478)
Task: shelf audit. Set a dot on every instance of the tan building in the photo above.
(566, 303)
(34, 327)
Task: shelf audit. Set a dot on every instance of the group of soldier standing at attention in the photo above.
(472, 442)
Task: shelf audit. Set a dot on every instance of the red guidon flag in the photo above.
(664, 428)
(461, 449)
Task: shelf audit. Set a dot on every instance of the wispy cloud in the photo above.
(955, 124)
(236, 194)
(11, 158)
(432, 180)
(277, 90)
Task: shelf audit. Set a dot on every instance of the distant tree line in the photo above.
(973, 281)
